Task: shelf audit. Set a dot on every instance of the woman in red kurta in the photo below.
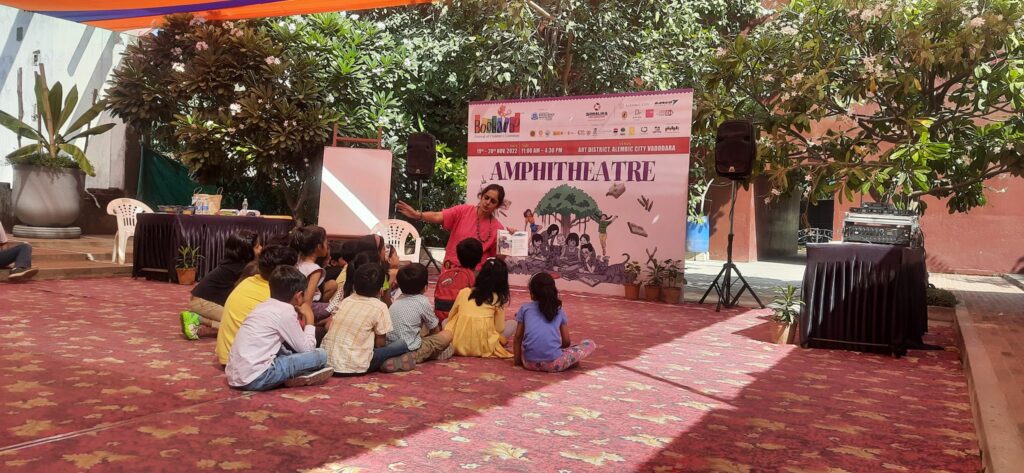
(466, 221)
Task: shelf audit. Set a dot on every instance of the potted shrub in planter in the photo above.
(188, 260)
(673, 282)
(785, 312)
(655, 277)
(632, 288)
(49, 172)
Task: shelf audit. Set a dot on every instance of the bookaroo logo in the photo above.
(505, 121)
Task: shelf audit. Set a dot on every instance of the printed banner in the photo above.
(597, 181)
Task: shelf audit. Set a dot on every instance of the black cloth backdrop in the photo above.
(158, 237)
(864, 297)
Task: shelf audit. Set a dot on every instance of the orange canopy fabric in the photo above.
(121, 15)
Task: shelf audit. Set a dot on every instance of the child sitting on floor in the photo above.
(271, 348)
(311, 243)
(248, 294)
(336, 261)
(206, 305)
(356, 342)
(452, 280)
(411, 313)
(542, 339)
(477, 320)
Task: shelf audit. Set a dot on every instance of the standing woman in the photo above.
(467, 221)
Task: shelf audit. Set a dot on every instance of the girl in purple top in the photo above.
(542, 340)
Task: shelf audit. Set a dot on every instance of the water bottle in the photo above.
(245, 205)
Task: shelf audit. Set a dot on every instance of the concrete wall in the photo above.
(73, 54)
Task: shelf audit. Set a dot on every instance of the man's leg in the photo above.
(21, 256)
(433, 346)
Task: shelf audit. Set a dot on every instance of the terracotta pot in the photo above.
(652, 293)
(186, 276)
(782, 334)
(632, 291)
(671, 294)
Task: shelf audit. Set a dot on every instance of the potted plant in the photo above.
(48, 173)
(785, 312)
(188, 260)
(632, 288)
(655, 276)
(673, 282)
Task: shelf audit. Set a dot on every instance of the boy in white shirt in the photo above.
(18, 253)
(259, 359)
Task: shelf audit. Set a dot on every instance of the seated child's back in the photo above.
(359, 319)
(453, 280)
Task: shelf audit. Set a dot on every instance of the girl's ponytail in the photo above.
(543, 290)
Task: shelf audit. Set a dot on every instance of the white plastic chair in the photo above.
(124, 210)
(395, 233)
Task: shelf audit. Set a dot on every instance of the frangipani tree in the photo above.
(256, 100)
(899, 98)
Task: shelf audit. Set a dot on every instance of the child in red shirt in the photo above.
(452, 280)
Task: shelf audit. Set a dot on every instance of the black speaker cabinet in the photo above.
(419, 162)
(735, 149)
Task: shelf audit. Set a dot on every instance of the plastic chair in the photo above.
(395, 233)
(125, 210)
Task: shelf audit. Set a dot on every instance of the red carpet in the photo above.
(96, 377)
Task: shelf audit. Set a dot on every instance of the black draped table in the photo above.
(158, 237)
(864, 297)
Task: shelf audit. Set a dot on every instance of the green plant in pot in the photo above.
(632, 288)
(188, 261)
(48, 173)
(655, 278)
(785, 314)
(672, 285)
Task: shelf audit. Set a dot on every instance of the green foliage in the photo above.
(54, 145)
(940, 297)
(786, 305)
(633, 269)
(893, 99)
(673, 272)
(255, 101)
(188, 257)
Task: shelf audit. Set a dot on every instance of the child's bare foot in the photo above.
(205, 331)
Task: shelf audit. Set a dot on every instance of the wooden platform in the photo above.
(990, 333)
(86, 257)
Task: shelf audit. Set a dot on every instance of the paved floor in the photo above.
(991, 321)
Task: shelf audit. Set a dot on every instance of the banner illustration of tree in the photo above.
(570, 205)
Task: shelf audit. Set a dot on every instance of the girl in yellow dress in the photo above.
(477, 319)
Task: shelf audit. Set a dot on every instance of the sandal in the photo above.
(403, 362)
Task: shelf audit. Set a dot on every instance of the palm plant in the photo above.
(50, 141)
(786, 305)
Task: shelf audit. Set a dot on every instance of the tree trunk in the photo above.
(566, 220)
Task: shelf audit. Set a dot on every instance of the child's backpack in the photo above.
(449, 283)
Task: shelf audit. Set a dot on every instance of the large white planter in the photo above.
(47, 197)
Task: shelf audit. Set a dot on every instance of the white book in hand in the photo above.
(513, 244)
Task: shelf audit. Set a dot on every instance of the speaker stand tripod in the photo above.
(723, 283)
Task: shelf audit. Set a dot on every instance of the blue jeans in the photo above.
(18, 253)
(382, 354)
(287, 365)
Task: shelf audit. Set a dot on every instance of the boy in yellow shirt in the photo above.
(248, 294)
